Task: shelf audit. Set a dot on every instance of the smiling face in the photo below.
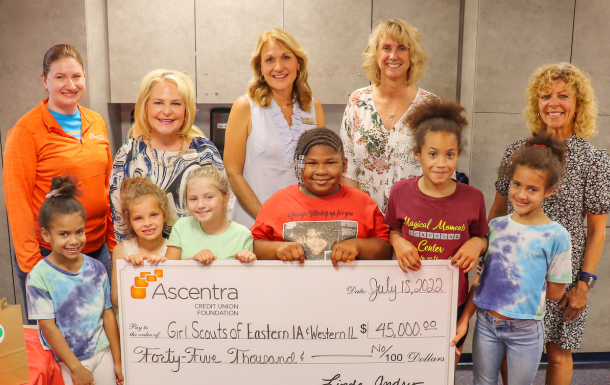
(322, 171)
(439, 156)
(279, 65)
(557, 109)
(146, 218)
(65, 83)
(528, 191)
(393, 59)
(205, 201)
(66, 234)
(166, 109)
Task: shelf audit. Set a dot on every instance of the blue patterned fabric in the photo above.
(75, 300)
(135, 160)
(518, 263)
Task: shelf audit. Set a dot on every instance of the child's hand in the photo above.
(205, 256)
(154, 259)
(82, 376)
(480, 268)
(135, 259)
(119, 374)
(345, 251)
(245, 256)
(466, 257)
(291, 251)
(460, 331)
(407, 255)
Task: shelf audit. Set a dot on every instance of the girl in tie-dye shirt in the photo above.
(528, 260)
(68, 293)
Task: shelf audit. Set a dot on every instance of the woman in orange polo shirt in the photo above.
(55, 138)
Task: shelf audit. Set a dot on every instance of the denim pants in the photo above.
(522, 340)
(102, 254)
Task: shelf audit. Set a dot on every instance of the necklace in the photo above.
(391, 115)
(152, 151)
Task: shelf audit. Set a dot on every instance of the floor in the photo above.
(583, 375)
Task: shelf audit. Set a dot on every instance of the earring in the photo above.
(298, 73)
(575, 114)
(261, 79)
(299, 169)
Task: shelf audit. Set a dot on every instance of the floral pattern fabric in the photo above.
(584, 189)
(377, 157)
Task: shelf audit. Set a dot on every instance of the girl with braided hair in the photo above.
(347, 219)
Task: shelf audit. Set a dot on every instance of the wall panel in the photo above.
(227, 32)
(144, 35)
(334, 34)
(515, 38)
(591, 27)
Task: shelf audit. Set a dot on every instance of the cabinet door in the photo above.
(439, 23)
(227, 32)
(334, 34)
(144, 35)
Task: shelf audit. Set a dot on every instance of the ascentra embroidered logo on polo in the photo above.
(98, 137)
(145, 279)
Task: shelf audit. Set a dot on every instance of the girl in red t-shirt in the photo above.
(434, 217)
(319, 218)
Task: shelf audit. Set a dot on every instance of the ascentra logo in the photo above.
(138, 290)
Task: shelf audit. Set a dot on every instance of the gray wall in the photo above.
(481, 53)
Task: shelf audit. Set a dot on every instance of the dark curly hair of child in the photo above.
(60, 201)
(134, 190)
(435, 116)
(542, 153)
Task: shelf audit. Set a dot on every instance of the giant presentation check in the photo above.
(272, 322)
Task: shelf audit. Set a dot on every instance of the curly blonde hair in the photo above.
(259, 91)
(134, 190)
(578, 83)
(141, 128)
(403, 33)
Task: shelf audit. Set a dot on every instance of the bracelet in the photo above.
(589, 275)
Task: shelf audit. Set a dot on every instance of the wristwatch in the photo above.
(588, 278)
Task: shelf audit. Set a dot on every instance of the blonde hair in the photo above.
(141, 128)
(578, 83)
(216, 175)
(403, 33)
(259, 91)
(134, 190)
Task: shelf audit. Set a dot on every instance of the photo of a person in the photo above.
(318, 238)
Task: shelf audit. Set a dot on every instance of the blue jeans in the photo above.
(102, 254)
(522, 340)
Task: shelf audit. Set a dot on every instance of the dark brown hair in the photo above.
(61, 201)
(435, 116)
(541, 152)
(320, 136)
(57, 52)
(134, 190)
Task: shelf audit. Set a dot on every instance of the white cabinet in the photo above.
(227, 32)
(144, 35)
(334, 34)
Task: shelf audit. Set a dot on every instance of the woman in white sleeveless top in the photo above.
(265, 125)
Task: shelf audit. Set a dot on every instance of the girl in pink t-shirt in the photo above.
(434, 217)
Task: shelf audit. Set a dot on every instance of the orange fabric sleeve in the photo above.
(110, 238)
(20, 160)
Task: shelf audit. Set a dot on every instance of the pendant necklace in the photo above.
(391, 115)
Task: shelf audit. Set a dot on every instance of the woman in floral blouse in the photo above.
(378, 142)
(561, 101)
